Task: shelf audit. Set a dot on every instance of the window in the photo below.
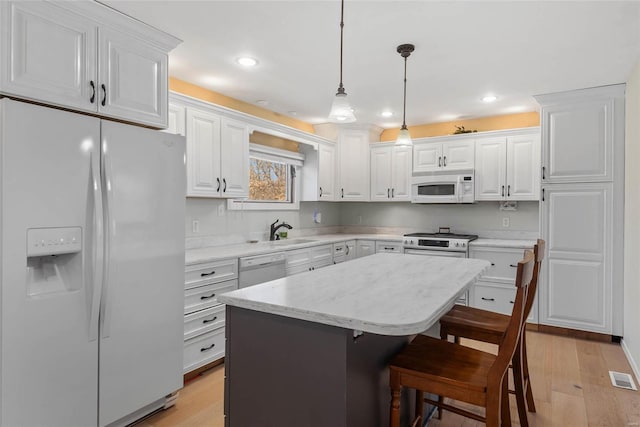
(273, 184)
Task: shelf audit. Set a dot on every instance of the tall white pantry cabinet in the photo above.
(581, 209)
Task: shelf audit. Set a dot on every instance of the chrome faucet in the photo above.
(274, 228)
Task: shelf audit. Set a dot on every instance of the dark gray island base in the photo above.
(285, 372)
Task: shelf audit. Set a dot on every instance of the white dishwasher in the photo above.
(261, 268)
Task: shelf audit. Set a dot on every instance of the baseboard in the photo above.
(198, 371)
(575, 333)
(632, 361)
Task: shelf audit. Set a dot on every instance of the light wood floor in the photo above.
(569, 377)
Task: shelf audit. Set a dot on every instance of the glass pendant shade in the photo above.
(341, 111)
(404, 138)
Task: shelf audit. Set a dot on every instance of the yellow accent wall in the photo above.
(273, 141)
(482, 124)
(195, 91)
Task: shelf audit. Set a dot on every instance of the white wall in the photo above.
(481, 217)
(631, 326)
(239, 226)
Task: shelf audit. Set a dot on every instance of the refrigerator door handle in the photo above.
(96, 278)
(109, 230)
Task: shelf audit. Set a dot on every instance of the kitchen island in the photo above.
(311, 349)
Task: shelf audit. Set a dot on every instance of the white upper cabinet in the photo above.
(579, 133)
(133, 77)
(437, 155)
(507, 167)
(234, 159)
(326, 172)
(217, 155)
(353, 159)
(390, 173)
(203, 154)
(87, 57)
(176, 119)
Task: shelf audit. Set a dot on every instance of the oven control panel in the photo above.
(434, 243)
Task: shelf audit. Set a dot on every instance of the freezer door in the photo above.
(49, 188)
(143, 296)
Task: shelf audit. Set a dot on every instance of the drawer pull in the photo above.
(511, 302)
(208, 348)
(205, 321)
(208, 297)
(493, 264)
(513, 265)
(488, 299)
(207, 274)
(388, 249)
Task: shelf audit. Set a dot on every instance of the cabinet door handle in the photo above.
(388, 192)
(320, 191)
(393, 191)
(444, 163)
(93, 93)
(342, 193)
(493, 264)
(511, 302)
(207, 297)
(205, 321)
(543, 194)
(513, 265)
(224, 181)
(208, 348)
(543, 169)
(347, 249)
(488, 299)
(207, 274)
(218, 189)
(503, 191)
(509, 190)
(104, 90)
(440, 161)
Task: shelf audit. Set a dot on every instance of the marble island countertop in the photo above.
(386, 294)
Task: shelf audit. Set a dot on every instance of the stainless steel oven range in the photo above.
(440, 244)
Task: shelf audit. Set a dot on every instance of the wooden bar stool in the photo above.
(490, 327)
(462, 373)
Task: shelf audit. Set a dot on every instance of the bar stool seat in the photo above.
(487, 326)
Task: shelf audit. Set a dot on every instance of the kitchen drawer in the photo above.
(504, 263)
(321, 256)
(206, 296)
(391, 247)
(210, 272)
(204, 321)
(494, 298)
(203, 349)
(498, 298)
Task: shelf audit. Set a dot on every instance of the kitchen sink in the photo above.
(286, 242)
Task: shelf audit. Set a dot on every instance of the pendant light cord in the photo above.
(341, 87)
(404, 107)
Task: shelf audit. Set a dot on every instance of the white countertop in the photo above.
(386, 294)
(212, 253)
(503, 243)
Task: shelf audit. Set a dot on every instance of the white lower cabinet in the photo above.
(307, 259)
(365, 247)
(495, 291)
(204, 318)
(389, 247)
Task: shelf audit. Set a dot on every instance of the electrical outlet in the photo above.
(505, 221)
(195, 226)
(221, 210)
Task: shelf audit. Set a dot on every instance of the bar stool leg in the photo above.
(396, 390)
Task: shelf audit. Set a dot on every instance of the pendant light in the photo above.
(404, 138)
(341, 111)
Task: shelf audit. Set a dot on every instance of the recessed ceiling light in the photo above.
(247, 61)
(262, 102)
(489, 98)
(386, 113)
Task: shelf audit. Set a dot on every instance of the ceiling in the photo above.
(464, 51)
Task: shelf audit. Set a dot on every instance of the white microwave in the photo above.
(457, 188)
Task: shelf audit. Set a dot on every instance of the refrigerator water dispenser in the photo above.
(54, 260)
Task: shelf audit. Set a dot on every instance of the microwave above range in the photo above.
(450, 188)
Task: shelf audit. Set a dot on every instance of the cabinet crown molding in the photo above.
(582, 95)
(475, 135)
(254, 123)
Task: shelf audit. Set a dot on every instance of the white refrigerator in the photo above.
(92, 248)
